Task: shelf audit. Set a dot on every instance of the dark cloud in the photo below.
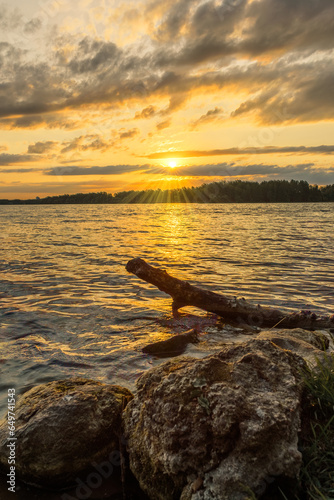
(210, 172)
(175, 20)
(93, 55)
(108, 170)
(286, 24)
(208, 117)
(19, 170)
(226, 171)
(197, 47)
(176, 102)
(233, 170)
(30, 88)
(84, 143)
(41, 147)
(164, 124)
(260, 172)
(244, 151)
(128, 134)
(241, 27)
(54, 187)
(304, 171)
(213, 18)
(309, 98)
(32, 26)
(12, 159)
(148, 112)
(50, 121)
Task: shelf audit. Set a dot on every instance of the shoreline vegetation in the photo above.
(276, 191)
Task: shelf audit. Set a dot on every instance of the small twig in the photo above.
(280, 321)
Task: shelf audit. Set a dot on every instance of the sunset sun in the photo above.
(172, 164)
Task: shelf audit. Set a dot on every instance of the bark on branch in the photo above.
(230, 308)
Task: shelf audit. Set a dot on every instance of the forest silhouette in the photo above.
(275, 191)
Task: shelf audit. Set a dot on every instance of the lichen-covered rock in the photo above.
(218, 427)
(62, 427)
(309, 345)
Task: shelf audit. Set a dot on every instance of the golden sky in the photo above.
(111, 95)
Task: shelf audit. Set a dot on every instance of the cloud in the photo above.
(19, 170)
(147, 112)
(9, 19)
(287, 25)
(164, 124)
(233, 170)
(55, 188)
(41, 147)
(196, 47)
(174, 21)
(31, 121)
(208, 117)
(279, 53)
(300, 98)
(32, 26)
(242, 27)
(210, 172)
(128, 134)
(93, 55)
(326, 150)
(3, 148)
(92, 142)
(12, 159)
(107, 170)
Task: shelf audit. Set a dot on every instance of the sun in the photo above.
(172, 164)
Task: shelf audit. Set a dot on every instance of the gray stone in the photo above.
(62, 427)
(309, 345)
(174, 346)
(218, 427)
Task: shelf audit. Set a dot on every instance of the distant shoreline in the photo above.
(276, 191)
(32, 203)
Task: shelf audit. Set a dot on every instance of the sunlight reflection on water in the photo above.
(70, 308)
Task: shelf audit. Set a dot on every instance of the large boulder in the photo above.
(62, 427)
(216, 428)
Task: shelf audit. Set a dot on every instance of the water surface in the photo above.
(69, 307)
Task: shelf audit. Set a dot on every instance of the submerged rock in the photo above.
(62, 427)
(219, 427)
(173, 346)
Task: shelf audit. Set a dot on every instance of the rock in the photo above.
(218, 427)
(173, 346)
(309, 345)
(62, 427)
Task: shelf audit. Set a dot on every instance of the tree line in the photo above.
(276, 191)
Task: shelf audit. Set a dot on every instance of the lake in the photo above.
(69, 307)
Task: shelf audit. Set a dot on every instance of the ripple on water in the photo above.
(68, 306)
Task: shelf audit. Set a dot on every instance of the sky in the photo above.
(108, 95)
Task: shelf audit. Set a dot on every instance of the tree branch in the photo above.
(230, 308)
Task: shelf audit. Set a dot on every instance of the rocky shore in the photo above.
(226, 426)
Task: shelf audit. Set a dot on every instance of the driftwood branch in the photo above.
(230, 308)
